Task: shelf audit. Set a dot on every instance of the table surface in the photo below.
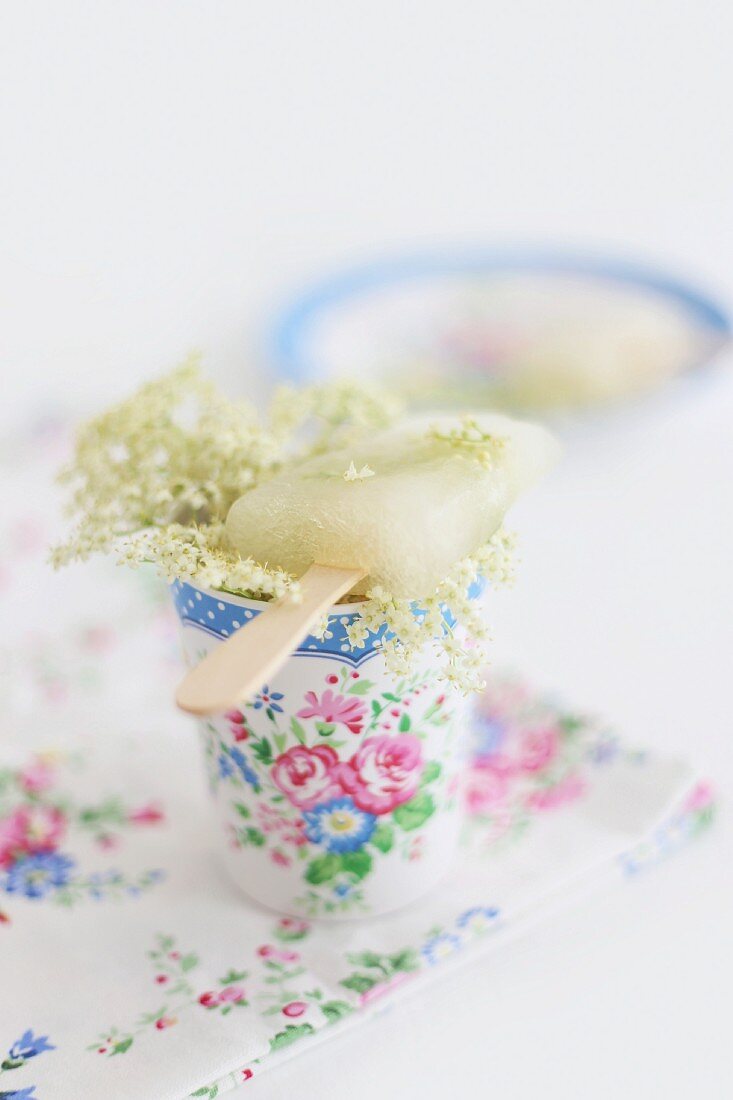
(256, 148)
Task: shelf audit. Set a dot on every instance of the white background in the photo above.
(171, 170)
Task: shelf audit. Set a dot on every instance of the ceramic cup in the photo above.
(336, 787)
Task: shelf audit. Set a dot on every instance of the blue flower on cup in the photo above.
(231, 761)
(226, 768)
(35, 876)
(20, 1094)
(339, 825)
(270, 699)
(245, 770)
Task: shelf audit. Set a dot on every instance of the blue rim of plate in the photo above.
(288, 336)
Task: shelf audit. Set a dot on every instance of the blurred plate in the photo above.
(526, 330)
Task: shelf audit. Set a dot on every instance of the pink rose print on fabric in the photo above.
(486, 785)
(11, 840)
(149, 814)
(232, 994)
(165, 1021)
(37, 777)
(277, 954)
(484, 788)
(292, 928)
(383, 773)
(538, 748)
(30, 830)
(336, 709)
(571, 788)
(306, 776)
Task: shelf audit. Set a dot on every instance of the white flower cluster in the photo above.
(153, 478)
(337, 411)
(470, 439)
(352, 474)
(450, 620)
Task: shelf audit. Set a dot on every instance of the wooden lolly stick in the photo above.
(237, 669)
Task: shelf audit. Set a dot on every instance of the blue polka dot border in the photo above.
(218, 615)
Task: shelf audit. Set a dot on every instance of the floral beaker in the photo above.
(336, 786)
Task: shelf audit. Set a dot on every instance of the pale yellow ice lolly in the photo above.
(405, 504)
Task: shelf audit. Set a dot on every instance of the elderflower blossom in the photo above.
(357, 633)
(321, 629)
(471, 440)
(449, 621)
(352, 474)
(342, 411)
(152, 479)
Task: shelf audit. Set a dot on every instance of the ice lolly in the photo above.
(399, 509)
(403, 505)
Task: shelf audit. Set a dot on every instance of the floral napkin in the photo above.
(130, 966)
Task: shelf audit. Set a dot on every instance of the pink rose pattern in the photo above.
(530, 758)
(307, 776)
(30, 830)
(380, 776)
(38, 822)
(383, 773)
(318, 802)
(485, 788)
